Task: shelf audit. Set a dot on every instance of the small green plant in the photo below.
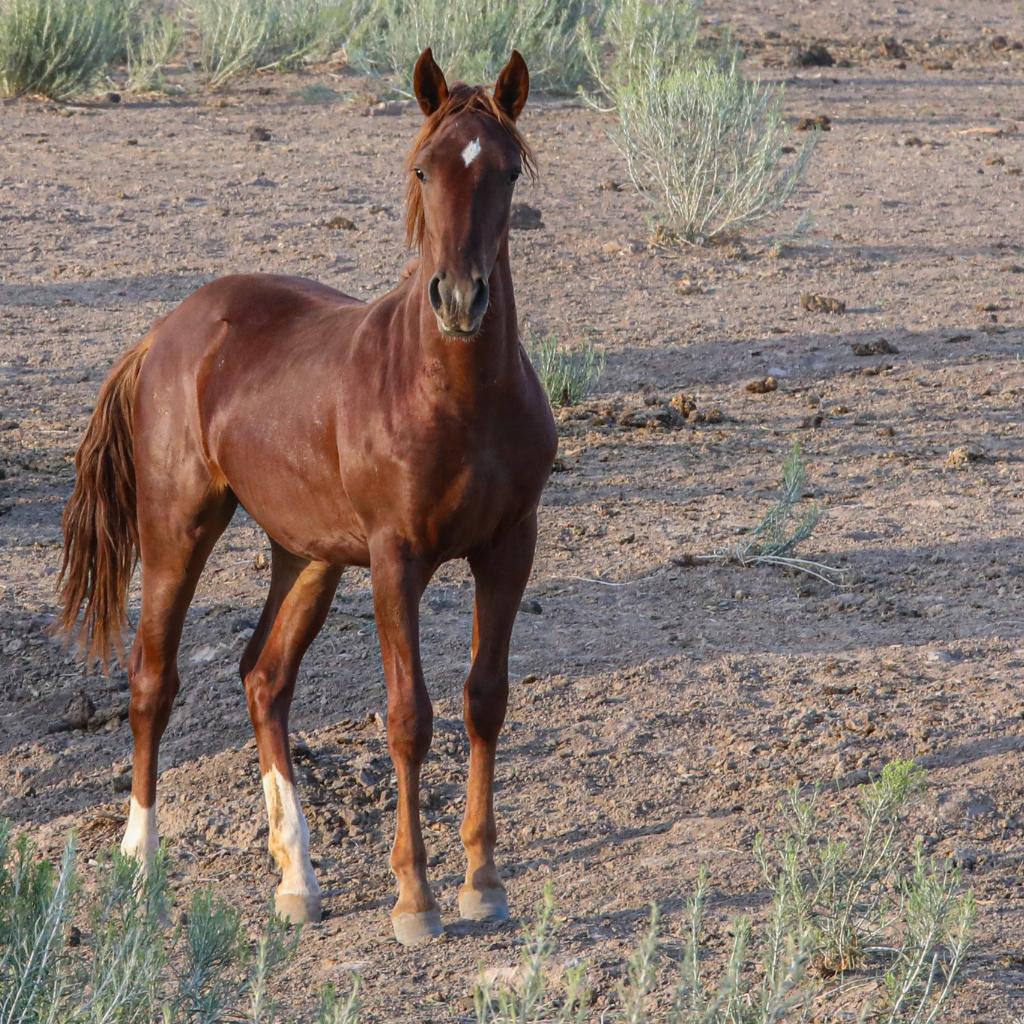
(150, 49)
(773, 540)
(58, 48)
(317, 94)
(125, 965)
(567, 373)
(533, 998)
(874, 903)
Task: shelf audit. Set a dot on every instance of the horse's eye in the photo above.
(515, 176)
(420, 175)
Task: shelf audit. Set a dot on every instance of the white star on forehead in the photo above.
(471, 152)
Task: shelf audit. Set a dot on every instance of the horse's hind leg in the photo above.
(300, 598)
(176, 541)
(501, 571)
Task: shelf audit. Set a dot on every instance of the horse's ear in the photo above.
(513, 86)
(429, 84)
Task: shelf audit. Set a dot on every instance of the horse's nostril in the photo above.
(481, 296)
(434, 293)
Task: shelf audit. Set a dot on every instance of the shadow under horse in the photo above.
(397, 435)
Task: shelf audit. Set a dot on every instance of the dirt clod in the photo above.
(822, 304)
(882, 347)
(963, 456)
(813, 56)
(526, 217)
(78, 710)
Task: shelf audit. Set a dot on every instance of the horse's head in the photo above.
(463, 168)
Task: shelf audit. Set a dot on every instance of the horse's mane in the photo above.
(461, 97)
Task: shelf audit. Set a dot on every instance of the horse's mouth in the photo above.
(450, 331)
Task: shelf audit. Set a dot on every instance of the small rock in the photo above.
(682, 404)
(814, 56)
(530, 607)
(389, 109)
(341, 224)
(964, 857)
(810, 124)
(525, 217)
(875, 348)
(204, 655)
(257, 133)
(892, 49)
(963, 455)
(79, 710)
(821, 304)
(762, 386)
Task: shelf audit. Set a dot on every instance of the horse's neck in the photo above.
(489, 359)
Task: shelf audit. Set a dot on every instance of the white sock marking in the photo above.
(289, 836)
(140, 836)
(471, 152)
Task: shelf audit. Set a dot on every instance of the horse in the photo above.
(395, 435)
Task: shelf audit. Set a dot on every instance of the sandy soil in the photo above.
(669, 711)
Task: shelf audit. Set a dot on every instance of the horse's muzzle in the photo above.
(458, 306)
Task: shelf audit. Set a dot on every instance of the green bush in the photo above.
(149, 48)
(125, 965)
(240, 36)
(58, 48)
(472, 39)
(567, 373)
(871, 922)
(704, 147)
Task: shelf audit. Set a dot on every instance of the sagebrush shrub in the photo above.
(239, 36)
(58, 48)
(472, 39)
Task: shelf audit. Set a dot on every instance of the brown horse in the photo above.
(395, 435)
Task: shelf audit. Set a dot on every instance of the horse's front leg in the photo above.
(501, 571)
(399, 579)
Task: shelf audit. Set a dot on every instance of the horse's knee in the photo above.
(485, 709)
(152, 694)
(263, 697)
(410, 728)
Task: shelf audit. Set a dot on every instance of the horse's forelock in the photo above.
(461, 97)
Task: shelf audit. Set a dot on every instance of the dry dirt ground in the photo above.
(670, 706)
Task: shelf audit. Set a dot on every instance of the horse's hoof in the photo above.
(483, 905)
(298, 909)
(412, 929)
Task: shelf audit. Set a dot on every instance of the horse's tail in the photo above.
(101, 533)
